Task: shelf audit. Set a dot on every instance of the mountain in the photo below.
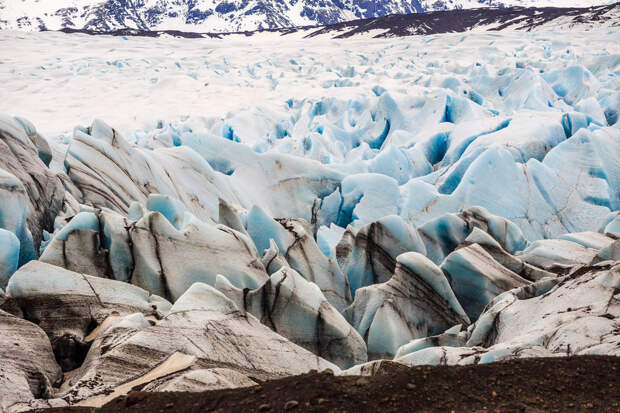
(435, 22)
(226, 15)
(481, 19)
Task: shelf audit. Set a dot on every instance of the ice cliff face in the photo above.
(384, 200)
(228, 15)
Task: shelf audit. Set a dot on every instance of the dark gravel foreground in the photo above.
(575, 384)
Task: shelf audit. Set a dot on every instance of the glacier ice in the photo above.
(557, 255)
(368, 255)
(295, 240)
(32, 195)
(422, 205)
(143, 252)
(442, 235)
(476, 278)
(66, 305)
(205, 329)
(202, 380)
(550, 317)
(298, 310)
(366, 198)
(416, 302)
(328, 237)
(29, 368)
(9, 256)
(594, 240)
(609, 253)
(613, 225)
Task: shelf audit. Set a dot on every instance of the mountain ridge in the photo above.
(216, 16)
(455, 21)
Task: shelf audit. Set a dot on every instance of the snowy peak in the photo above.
(481, 19)
(199, 15)
(429, 23)
(227, 15)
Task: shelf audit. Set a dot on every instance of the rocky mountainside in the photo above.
(399, 25)
(227, 15)
(482, 19)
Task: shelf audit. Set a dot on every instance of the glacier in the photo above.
(232, 211)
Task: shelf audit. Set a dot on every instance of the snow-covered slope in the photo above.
(479, 19)
(226, 16)
(400, 25)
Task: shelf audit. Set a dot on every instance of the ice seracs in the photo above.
(557, 255)
(203, 329)
(417, 203)
(571, 315)
(416, 302)
(143, 251)
(32, 194)
(111, 173)
(476, 278)
(290, 242)
(444, 234)
(28, 366)
(566, 199)
(68, 305)
(368, 255)
(297, 309)
(9, 256)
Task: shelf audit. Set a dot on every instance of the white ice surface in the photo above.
(58, 81)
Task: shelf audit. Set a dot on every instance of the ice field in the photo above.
(58, 81)
(443, 199)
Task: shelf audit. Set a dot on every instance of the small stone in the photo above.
(411, 386)
(57, 403)
(291, 404)
(362, 381)
(321, 400)
(264, 407)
